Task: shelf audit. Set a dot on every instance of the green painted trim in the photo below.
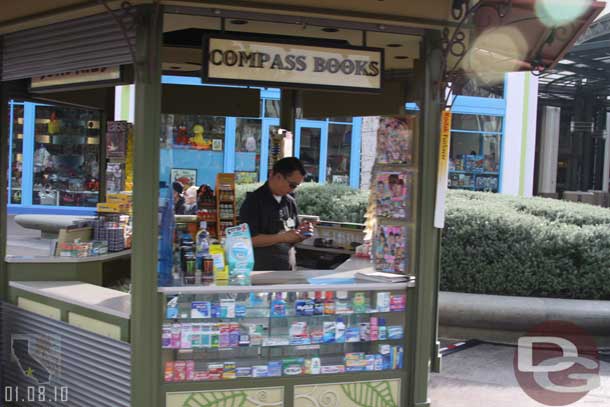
(4, 114)
(125, 99)
(146, 311)
(65, 308)
(422, 302)
(524, 126)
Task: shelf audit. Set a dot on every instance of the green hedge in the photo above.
(331, 202)
(498, 244)
(495, 244)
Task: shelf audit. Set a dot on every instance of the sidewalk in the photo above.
(483, 376)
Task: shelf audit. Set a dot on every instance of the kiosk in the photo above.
(69, 342)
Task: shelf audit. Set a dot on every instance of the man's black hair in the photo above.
(288, 165)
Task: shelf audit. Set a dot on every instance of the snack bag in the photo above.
(240, 255)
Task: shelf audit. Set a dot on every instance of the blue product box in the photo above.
(352, 335)
(240, 310)
(243, 372)
(274, 368)
(201, 309)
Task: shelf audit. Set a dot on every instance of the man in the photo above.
(272, 216)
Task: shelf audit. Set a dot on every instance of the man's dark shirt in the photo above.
(264, 215)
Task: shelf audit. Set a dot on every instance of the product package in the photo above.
(390, 252)
(393, 195)
(169, 372)
(329, 331)
(243, 372)
(229, 370)
(260, 371)
(180, 371)
(240, 255)
(293, 366)
(201, 309)
(398, 302)
(274, 368)
(383, 302)
(395, 140)
(221, 270)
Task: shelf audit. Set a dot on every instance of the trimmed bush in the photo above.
(495, 244)
(498, 244)
(331, 202)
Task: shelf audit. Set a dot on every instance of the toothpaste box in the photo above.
(243, 372)
(260, 371)
(332, 369)
(293, 366)
(274, 368)
(201, 309)
(229, 370)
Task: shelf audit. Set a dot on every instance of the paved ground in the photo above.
(25, 242)
(483, 376)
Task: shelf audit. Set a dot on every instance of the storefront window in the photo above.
(474, 161)
(272, 108)
(193, 131)
(339, 153)
(66, 156)
(310, 152)
(247, 150)
(16, 171)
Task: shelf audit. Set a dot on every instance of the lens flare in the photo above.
(556, 13)
(495, 52)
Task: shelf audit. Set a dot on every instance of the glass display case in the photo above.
(16, 112)
(66, 156)
(223, 333)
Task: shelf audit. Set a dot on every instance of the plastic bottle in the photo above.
(316, 365)
(278, 306)
(329, 304)
(202, 248)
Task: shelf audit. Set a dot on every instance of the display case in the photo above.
(16, 112)
(66, 156)
(226, 333)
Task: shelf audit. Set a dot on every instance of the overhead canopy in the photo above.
(498, 35)
(524, 34)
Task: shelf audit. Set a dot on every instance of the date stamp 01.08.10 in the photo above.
(23, 395)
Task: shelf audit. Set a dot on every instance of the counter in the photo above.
(98, 270)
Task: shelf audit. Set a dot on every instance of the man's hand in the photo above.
(292, 237)
(305, 230)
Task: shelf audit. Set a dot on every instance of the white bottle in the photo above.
(316, 365)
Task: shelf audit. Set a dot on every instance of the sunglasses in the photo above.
(292, 185)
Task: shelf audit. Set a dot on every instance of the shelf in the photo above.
(497, 174)
(315, 346)
(310, 317)
(177, 386)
